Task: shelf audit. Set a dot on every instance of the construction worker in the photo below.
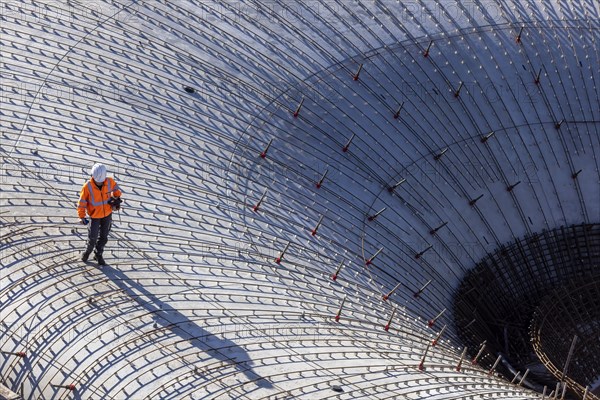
(98, 197)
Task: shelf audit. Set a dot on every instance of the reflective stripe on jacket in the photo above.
(95, 201)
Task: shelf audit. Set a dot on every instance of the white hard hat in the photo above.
(98, 172)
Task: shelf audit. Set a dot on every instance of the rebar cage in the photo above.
(528, 300)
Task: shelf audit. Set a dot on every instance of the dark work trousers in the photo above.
(101, 227)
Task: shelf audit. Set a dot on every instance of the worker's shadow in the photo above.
(186, 329)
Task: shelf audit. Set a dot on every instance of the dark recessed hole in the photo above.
(337, 388)
(529, 299)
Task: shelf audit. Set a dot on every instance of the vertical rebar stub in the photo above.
(472, 202)
(263, 154)
(337, 271)
(20, 354)
(357, 74)
(257, 205)
(432, 321)
(435, 341)
(297, 112)
(491, 371)
(538, 77)
(389, 322)
(420, 254)
(435, 230)
(316, 228)
(370, 260)
(422, 363)
(278, 259)
(485, 138)
(518, 38)
(457, 92)
(347, 145)
(377, 214)
(397, 113)
(440, 154)
(391, 292)
(460, 361)
(418, 292)
(70, 387)
(481, 348)
(320, 182)
(339, 313)
(395, 185)
(510, 188)
(426, 52)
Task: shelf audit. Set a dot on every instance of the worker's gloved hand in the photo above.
(83, 221)
(115, 203)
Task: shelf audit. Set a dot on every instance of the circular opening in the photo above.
(527, 300)
(565, 331)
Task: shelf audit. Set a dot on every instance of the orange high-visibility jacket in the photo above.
(95, 201)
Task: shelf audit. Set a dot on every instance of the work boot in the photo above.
(98, 257)
(85, 256)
